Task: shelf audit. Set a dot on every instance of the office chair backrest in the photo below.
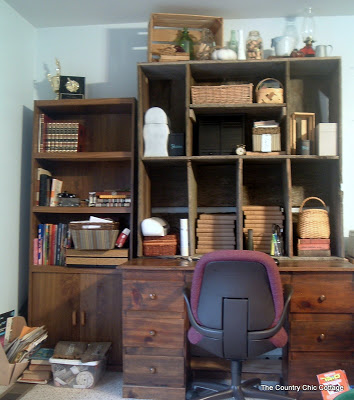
(237, 291)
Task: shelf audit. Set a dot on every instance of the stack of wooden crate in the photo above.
(215, 232)
(261, 220)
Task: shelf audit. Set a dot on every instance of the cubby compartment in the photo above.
(318, 179)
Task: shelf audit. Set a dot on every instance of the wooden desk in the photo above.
(154, 324)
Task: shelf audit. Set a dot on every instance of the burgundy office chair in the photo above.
(237, 311)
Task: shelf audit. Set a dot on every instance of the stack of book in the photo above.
(47, 189)
(112, 199)
(261, 220)
(215, 232)
(40, 369)
(59, 136)
(314, 247)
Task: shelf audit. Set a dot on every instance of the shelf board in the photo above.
(81, 210)
(251, 109)
(73, 270)
(86, 156)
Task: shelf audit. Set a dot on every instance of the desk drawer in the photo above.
(327, 333)
(150, 332)
(154, 371)
(322, 293)
(154, 296)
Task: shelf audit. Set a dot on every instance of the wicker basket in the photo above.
(267, 94)
(257, 138)
(313, 223)
(94, 235)
(226, 94)
(160, 245)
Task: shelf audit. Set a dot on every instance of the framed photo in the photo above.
(71, 87)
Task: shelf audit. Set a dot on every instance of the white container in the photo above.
(326, 139)
(76, 374)
(184, 237)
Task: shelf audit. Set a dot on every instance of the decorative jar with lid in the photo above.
(254, 46)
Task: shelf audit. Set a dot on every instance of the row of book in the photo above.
(110, 198)
(47, 188)
(261, 220)
(50, 245)
(59, 136)
(215, 232)
(39, 370)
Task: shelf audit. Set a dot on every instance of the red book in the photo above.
(332, 383)
(35, 251)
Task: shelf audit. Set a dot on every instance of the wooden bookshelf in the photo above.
(82, 301)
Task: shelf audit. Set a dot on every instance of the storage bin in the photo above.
(94, 235)
(76, 374)
(164, 29)
(226, 94)
(274, 133)
(160, 245)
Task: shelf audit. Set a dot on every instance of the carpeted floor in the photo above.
(108, 388)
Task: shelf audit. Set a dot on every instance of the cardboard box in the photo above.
(326, 139)
(10, 372)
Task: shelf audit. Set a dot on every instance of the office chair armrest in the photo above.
(209, 332)
(288, 291)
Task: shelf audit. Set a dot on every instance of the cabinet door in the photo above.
(55, 304)
(100, 311)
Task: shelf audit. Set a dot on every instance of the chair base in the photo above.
(237, 390)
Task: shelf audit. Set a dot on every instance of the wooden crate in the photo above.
(164, 28)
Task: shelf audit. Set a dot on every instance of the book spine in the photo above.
(35, 251)
(40, 243)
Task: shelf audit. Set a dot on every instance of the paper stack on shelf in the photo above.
(215, 232)
(261, 220)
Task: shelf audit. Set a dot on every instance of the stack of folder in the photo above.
(261, 220)
(215, 232)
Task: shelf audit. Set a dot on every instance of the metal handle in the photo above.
(152, 333)
(83, 318)
(152, 370)
(152, 296)
(74, 318)
(321, 337)
(322, 298)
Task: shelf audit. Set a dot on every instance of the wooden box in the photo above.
(164, 28)
(258, 135)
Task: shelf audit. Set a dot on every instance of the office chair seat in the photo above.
(236, 310)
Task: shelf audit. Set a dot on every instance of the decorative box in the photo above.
(266, 139)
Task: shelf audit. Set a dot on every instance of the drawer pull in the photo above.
(152, 370)
(322, 298)
(152, 333)
(152, 296)
(322, 337)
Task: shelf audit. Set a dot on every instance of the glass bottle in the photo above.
(186, 42)
(254, 46)
(233, 42)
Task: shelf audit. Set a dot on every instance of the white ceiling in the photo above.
(56, 13)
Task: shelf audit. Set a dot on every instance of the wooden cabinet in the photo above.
(321, 327)
(185, 186)
(154, 343)
(79, 306)
(83, 304)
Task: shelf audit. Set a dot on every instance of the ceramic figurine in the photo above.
(156, 133)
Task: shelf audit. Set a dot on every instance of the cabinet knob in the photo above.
(152, 333)
(322, 298)
(322, 337)
(152, 370)
(152, 296)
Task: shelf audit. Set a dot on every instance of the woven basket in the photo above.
(227, 94)
(94, 235)
(266, 94)
(160, 245)
(313, 223)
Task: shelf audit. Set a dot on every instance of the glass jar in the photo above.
(186, 42)
(254, 46)
(205, 46)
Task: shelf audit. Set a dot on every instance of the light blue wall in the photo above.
(17, 56)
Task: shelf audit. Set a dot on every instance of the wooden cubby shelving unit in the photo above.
(184, 186)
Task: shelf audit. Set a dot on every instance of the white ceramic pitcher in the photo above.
(283, 45)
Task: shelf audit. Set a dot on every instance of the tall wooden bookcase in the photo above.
(183, 186)
(83, 303)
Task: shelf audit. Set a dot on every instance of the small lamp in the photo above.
(308, 33)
